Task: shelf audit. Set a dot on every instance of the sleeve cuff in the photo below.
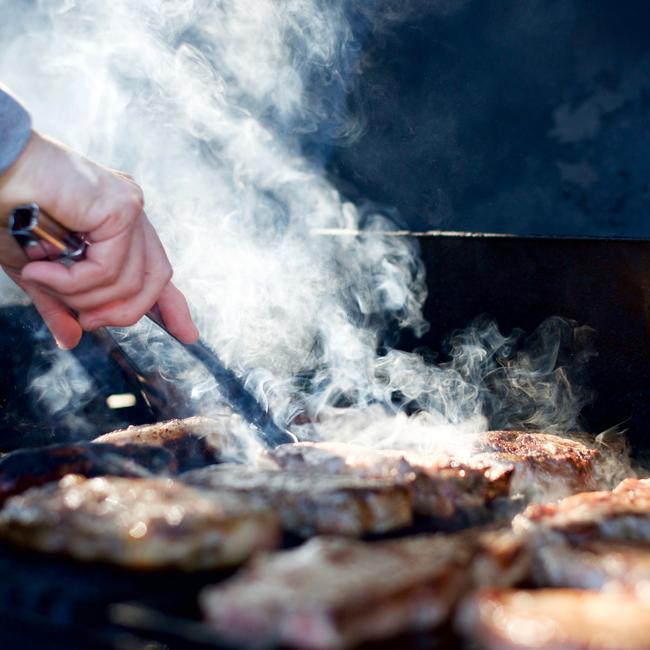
(15, 130)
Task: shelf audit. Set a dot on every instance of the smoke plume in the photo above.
(209, 104)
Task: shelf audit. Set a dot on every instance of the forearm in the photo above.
(15, 129)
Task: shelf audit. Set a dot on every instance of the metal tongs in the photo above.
(42, 238)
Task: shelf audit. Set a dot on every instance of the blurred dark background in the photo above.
(529, 117)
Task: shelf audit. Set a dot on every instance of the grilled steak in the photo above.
(556, 619)
(334, 593)
(310, 503)
(441, 486)
(614, 566)
(637, 486)
(623, 513)
(137, 523)
(27, 468)
(545, 465)
(341, 458)
(194, 442)
(503, 559)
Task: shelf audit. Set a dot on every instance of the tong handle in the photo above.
(43, 238)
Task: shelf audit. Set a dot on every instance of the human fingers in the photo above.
(101, 268)
(65, 328)
(122, 313)
(176, 315)
(129, 283)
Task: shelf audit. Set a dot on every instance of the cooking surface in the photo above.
(445, 112)
(68, 602)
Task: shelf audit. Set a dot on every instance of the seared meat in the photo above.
(137, 523)
(534, 464)
(640, 487)
(441, 486)
(613, 566)
(545, 465)
(556, 619)
(194, 441)
(334, 593)
(27, 468)
(341, 458)
(622, 514)
(310, 503)
(441, 480)
(503, 559)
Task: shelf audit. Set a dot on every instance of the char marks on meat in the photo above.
(138, 523)
(442, 487)
(194, 441)
(545, 465)
(556, 619)
(333, 593)
(310, 503)
(26, 468)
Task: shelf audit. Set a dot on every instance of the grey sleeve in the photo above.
(15, 129)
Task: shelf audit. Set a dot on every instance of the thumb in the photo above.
(65, 328)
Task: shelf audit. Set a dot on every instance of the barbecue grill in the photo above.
(53, 602)
(451, 111)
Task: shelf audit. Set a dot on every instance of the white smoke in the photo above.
(206, 103)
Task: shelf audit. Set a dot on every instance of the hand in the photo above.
(126, 270)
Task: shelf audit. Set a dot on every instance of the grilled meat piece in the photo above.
(462, 484)
(333, 593)
(194, 442)
(556, 619)
(310, 503)
(27, 468)
(341, 458)
(441, 486)
(545, 465)
(612, 566)
(503, 559)
(637, 486)
(623, 514)
(137, 523)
